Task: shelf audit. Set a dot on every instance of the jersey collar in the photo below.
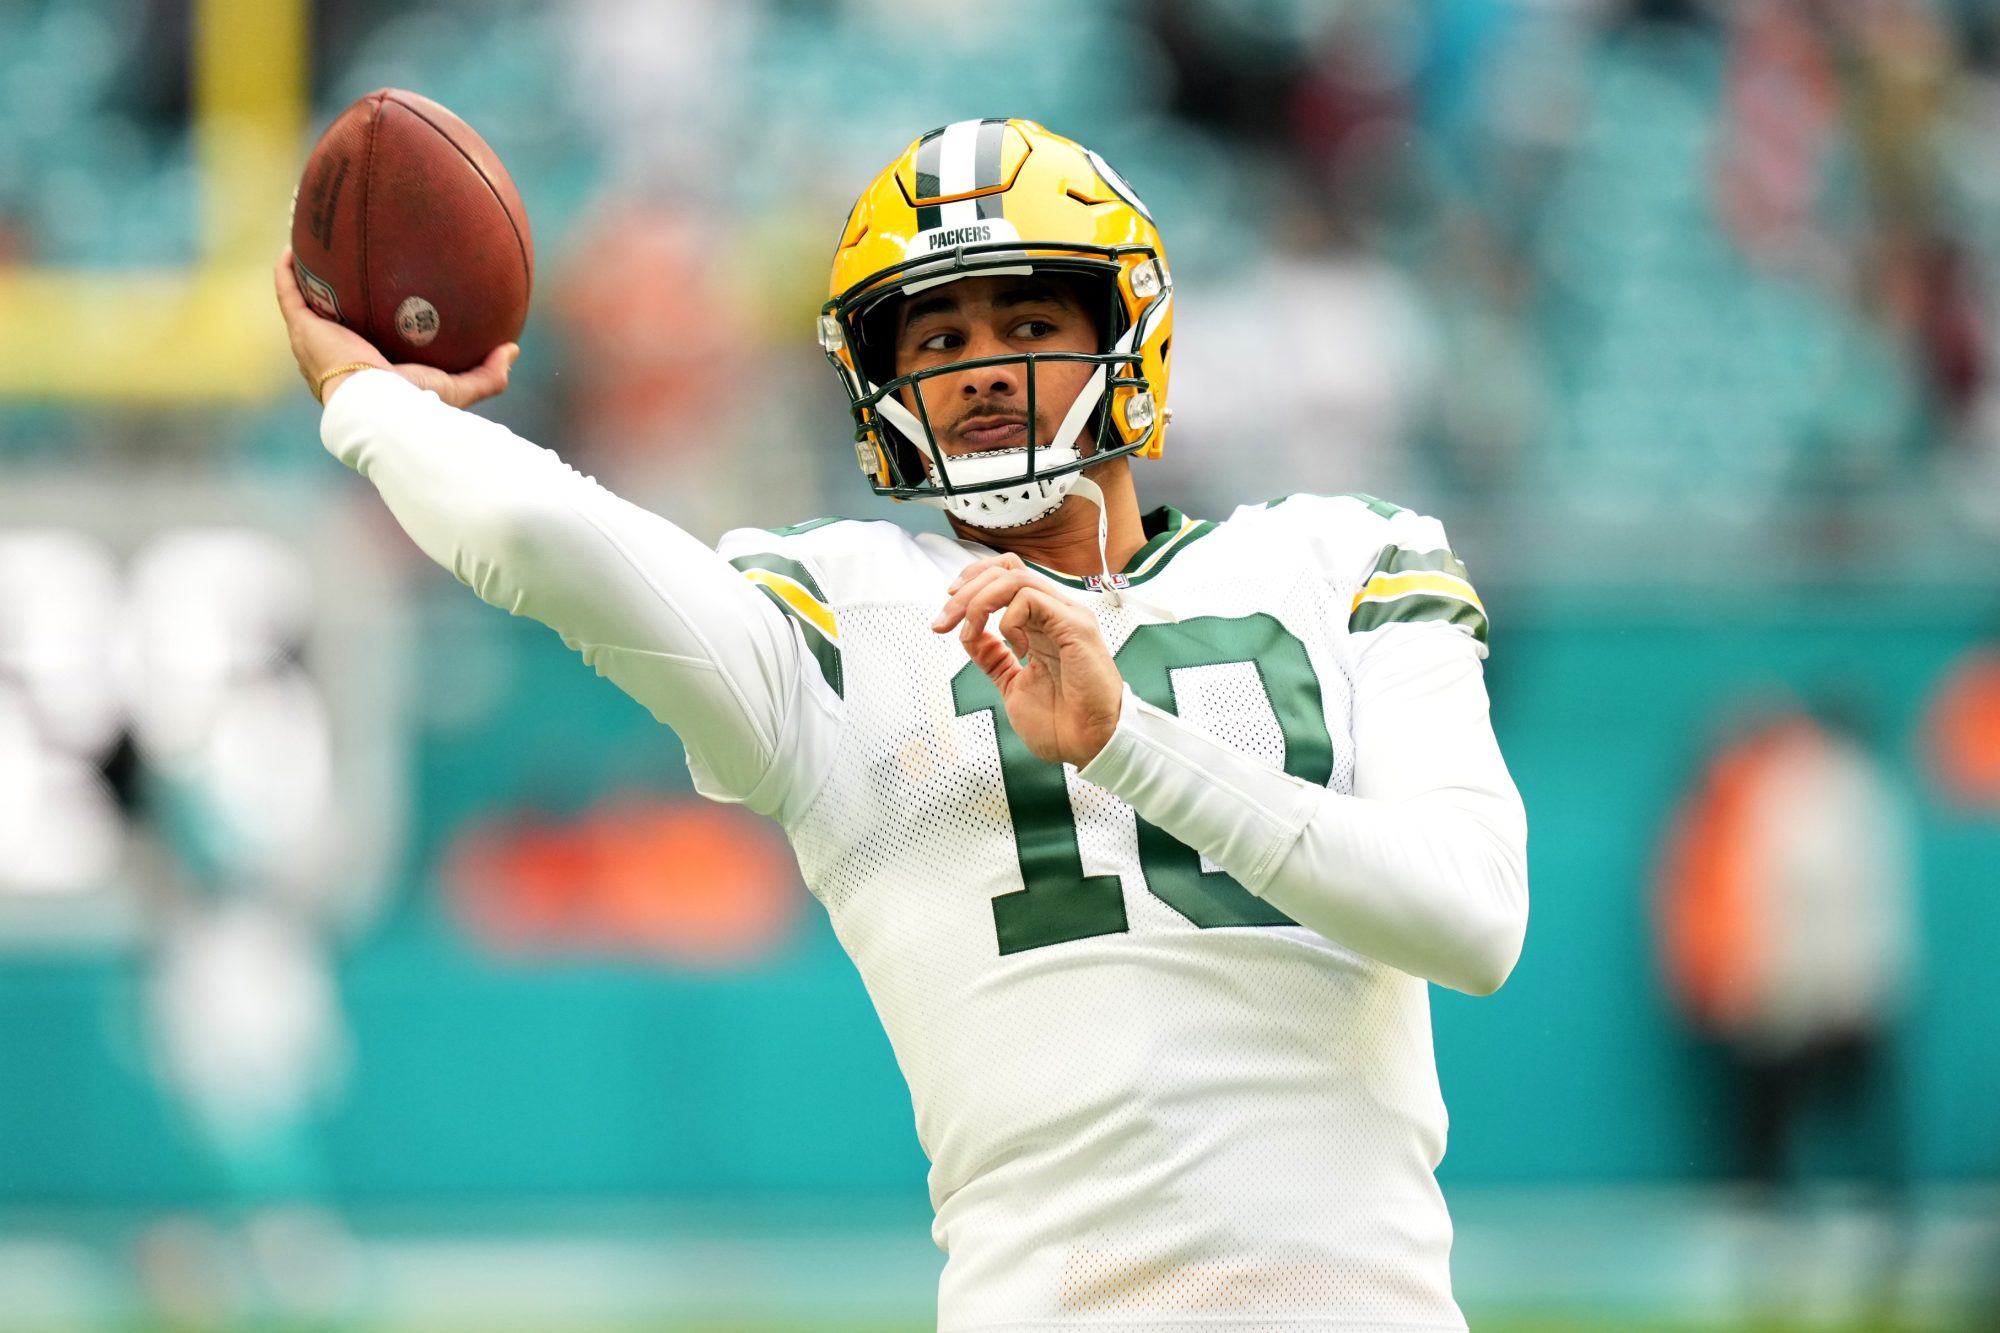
(1169, 532)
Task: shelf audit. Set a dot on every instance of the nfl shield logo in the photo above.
(1099, 582)
(318, 292)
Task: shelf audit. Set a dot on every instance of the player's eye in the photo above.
(938, 342)
(1034, 328)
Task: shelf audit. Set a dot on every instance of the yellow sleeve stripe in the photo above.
(1385, 586)
(794, 595)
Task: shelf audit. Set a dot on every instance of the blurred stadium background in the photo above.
(365, 963)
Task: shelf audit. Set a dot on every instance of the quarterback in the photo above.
(1146, 833)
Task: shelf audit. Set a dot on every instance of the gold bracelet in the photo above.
(319, 385)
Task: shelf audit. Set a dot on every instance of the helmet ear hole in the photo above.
(875, 336)
(906, 461)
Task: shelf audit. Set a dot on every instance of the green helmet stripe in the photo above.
(930, 156)
(986, 167)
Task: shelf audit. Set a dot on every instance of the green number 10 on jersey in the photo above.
(1058, 902)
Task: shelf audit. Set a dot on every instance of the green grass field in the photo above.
(1631, 1261)
(1515, 1323)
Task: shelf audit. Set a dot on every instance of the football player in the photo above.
(1145, 832)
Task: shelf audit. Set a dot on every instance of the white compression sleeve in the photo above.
(664, 617)
(1423, 868)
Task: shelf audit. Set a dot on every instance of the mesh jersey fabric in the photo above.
(1226, 1126)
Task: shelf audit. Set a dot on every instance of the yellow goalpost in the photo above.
(206, 333)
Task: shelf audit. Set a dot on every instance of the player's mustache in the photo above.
(994, 412)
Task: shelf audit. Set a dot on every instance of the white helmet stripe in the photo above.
(958, 167)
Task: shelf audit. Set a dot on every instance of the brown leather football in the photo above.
(408, 230)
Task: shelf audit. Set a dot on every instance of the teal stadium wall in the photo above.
(482, 1078)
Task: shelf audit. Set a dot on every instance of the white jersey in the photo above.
(1164, 1020)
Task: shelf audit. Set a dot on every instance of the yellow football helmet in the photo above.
(995, 197)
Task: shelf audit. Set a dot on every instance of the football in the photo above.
(407, 229)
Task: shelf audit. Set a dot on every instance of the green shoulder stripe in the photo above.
(1395, 560)
(1381, 508)
(1418, 607)
(793, 590)
(786, 567)
(807, 526)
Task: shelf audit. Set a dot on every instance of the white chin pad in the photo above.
(1014, 501)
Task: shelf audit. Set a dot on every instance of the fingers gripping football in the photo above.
(319, 345)
(1049, 661)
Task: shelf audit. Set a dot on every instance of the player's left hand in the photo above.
(1060, 687)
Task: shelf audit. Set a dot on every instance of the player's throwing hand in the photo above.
(323, 347)
(1058, 682)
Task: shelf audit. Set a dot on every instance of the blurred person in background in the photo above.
(1322, 352)
(248, 1039)
(1785, 911)
(1322, 356)
(159, 727)
(1149, 930)
(669, 351)
(1833, 167)
(661, 363)
(232, 774)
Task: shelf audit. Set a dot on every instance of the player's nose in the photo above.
(1005, 379)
